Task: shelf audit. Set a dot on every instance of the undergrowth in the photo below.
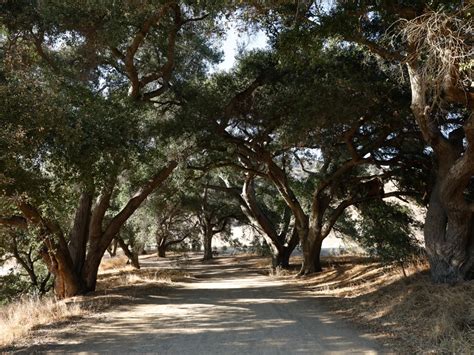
(24, 314)
(419, 315)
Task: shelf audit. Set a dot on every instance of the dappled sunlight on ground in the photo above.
(220, 308)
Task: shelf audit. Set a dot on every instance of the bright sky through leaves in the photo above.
(235, 41)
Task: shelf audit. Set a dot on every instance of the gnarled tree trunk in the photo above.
(75, 264)
(280, 247)
(282, 258)
(311, 253)
(448, 231)
(449, 239)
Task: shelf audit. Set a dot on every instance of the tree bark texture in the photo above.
(207, 243)
(449, 224)
(75, 264)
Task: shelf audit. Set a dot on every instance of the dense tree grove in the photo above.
(118, 128)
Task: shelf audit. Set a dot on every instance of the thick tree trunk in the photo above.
(449, 240)
(91, 269)
(282, 258)
(67, 285)
(162, 251)
(207, 242)
(75, 271)
(449, 224)
(67, 282)
(284, 250)
(311, 261)
(161, 244)
(80, 231)
(311, 256)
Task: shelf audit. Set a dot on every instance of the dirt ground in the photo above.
(225, 307)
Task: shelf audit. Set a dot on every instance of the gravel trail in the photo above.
(223, 309)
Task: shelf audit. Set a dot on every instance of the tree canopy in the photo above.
(116, 125)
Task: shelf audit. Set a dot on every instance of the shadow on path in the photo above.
(225, 308)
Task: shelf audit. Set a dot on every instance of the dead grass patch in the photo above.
(18, 318)
(129, 276)
(263, 263)
(280, 272)
(115, 263)
(421, 316)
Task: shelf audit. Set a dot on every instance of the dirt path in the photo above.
(224, 309)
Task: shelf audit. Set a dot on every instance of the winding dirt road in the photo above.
(222, 309)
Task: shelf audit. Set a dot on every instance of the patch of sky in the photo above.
(237, 41)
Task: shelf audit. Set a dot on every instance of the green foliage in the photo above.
(28, 274)
(259, 246)
(70, 124)
(11, 286)
(385, 230)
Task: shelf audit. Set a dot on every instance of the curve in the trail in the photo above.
(224, 309)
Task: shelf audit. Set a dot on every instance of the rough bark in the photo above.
(449, 240)
(75, 268)
(448, 231)
(311, 254)
(80, 230)
(207, 243)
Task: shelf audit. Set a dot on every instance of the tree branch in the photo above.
(14, 221)
(114, 225)
(353, 201)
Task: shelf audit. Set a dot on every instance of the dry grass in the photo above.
(115, 273)
(438, 318)
(420, 316)
(128, 276)
(23, 315)
(115, 263)
(18, 318)
(263, 263)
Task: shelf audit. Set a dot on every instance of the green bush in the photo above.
(385, 230)
(259, 247)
